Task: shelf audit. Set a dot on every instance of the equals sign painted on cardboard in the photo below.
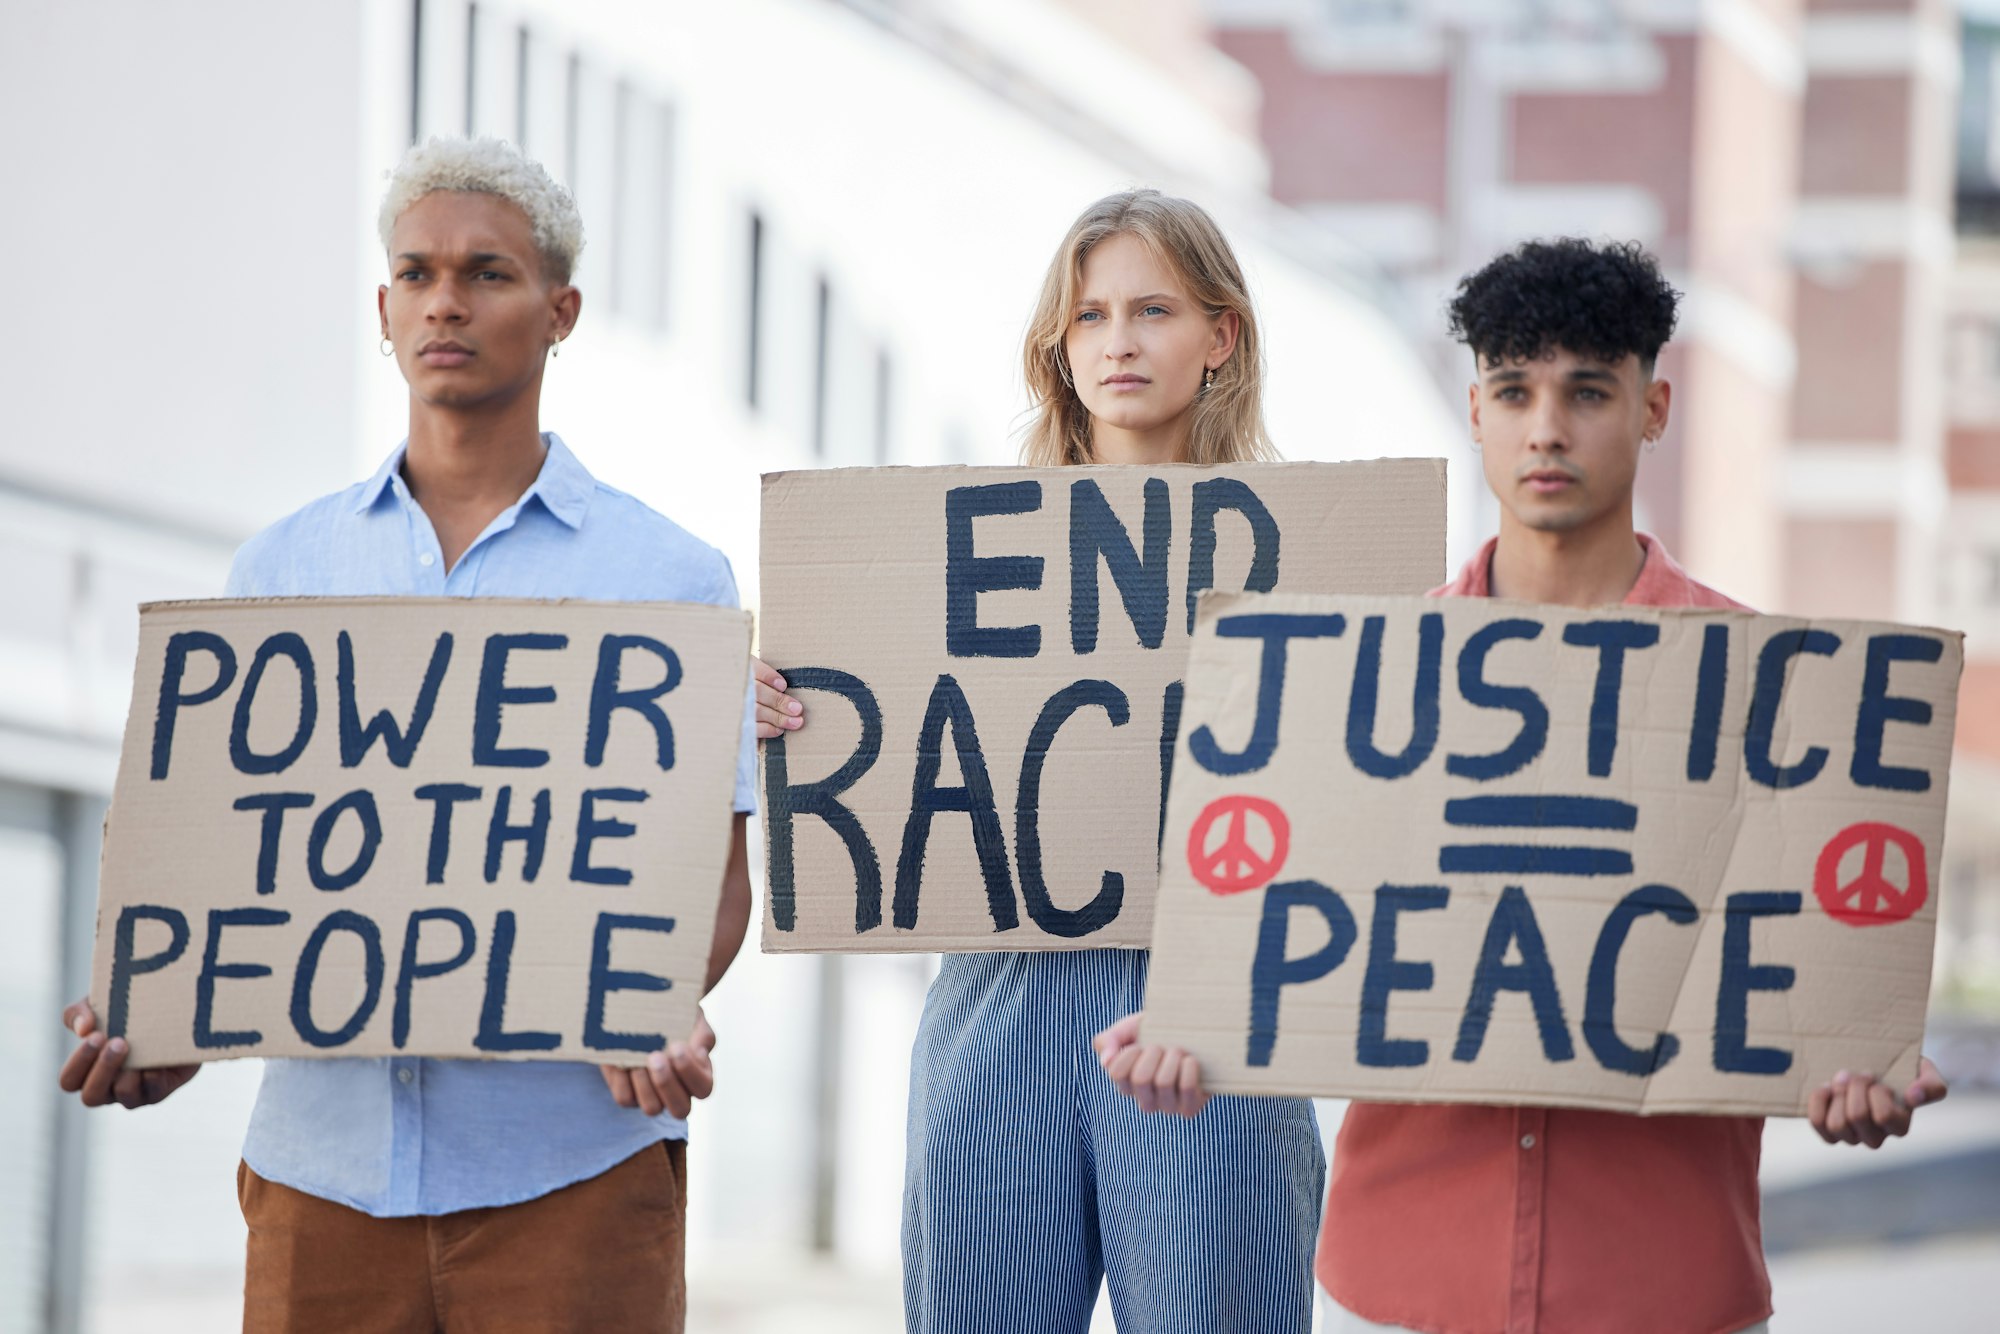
(1537, 812)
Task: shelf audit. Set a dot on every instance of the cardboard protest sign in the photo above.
(990, 662)
(1464, 850)
(426, 827)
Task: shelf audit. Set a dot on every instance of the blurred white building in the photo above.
(815, 230)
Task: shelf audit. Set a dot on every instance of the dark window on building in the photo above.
(663, 216)
(621, 197)
(755, 308)
(572, 97)
(471, 62)
(822, 354)
(416, 70)
(521, 87)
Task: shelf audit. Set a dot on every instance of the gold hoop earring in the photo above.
(388, 348)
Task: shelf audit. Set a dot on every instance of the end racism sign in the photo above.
(443, 827)
(1461, 850)
(990, 661)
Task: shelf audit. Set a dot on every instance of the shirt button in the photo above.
(405, 1075)
(1527, 1141)
(427, 560)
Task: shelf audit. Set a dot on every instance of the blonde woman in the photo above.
(1029, 1180)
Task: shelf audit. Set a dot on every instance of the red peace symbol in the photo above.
(1870, 898)
(1235, 864)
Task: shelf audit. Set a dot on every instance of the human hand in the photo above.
(1860, 1109)
(96, 1069)
(670, 1080)
(777, 712)
(1159, 1079)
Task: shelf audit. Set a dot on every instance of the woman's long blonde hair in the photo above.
(1228, 414)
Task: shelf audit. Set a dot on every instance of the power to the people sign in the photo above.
(442, 827)
(1462, 850)
(990, 662)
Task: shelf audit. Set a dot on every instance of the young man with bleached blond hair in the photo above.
(409, 1194)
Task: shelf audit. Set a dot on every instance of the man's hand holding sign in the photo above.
(478, 828)
(1645, 861)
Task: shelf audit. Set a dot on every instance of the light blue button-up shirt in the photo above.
(407, 1135)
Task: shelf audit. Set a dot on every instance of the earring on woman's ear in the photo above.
(556, 349)
(388, 348)
(1208, 380)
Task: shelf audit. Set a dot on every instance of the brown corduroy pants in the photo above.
(604, 1254)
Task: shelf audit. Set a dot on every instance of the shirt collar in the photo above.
(1661, 583)
(563, 486)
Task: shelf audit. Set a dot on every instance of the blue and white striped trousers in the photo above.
(1030, 1180)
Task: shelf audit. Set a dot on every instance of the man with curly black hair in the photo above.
(1506, 1220)
(1458, 1219)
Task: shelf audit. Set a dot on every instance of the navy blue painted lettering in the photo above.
(398, 743)
(1103, 909)
(1361, 701)
(590, 827)
(1740, 977)
(1600, 1006)
(1388, 974)
(1513, 926)
(1277, 630)
(1094, 530)
(362, 929)
(534, 835)
(273, 805)
(604, 980)
(1879, 708)
(1170, 733)
(966, 576)
(1519, 753)
(362, 803)
(495, 694)
(293, 648)
(1773, 667)
(493, 1034)
(213, 969)
(445, 796)
(1211, 497)
(173, 676)
(1710, 690)
(1272, 969)
(415, 969)
(606, 697)
(948, 708)
(126, 963)
(786, 801)
(1612, 640)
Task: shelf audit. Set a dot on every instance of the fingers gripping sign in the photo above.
(777, 712)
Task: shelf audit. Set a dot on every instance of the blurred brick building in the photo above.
(1792, 163)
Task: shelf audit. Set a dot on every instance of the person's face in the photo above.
(1138, 344)
(467, 306)
(1560, 436)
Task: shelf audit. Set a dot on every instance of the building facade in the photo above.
(815, 229)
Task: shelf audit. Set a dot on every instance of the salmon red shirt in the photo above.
(1454, 1219)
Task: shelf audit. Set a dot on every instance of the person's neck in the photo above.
(1593, 566)
(464, 468)
(1163, 444)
